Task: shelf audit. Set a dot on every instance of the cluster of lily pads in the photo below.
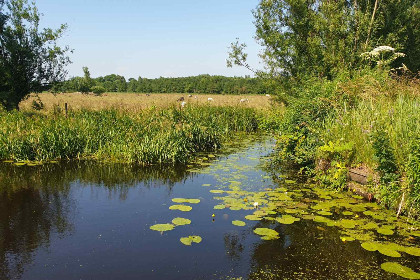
(180, 221)
(356, 220)
(370, 224)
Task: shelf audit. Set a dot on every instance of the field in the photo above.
(138, 101)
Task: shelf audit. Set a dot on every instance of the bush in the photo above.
(98, 90)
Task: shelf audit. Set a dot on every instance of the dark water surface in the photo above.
(91, 221)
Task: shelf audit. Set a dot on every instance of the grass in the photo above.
(135, 102)
(368, 120)
(149, 136)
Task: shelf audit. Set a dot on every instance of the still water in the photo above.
(87, 220)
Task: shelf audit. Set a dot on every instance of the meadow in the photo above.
(139, 101)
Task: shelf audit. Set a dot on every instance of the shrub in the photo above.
(98, 90)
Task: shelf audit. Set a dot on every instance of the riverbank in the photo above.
(150, 136)
(368, 121)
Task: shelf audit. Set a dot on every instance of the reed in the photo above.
(148, 136)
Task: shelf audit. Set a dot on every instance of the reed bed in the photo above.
(149, 136)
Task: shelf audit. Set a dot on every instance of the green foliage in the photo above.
(413, 171)
(151, 136)
(98, 90)
(337, 151)
(322, 38)
(384, 155)
(30, 58)
(198, 84)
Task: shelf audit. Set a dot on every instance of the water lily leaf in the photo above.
(219, 207)
(291, 211)
(238, 223)
(266, 232)
(345, 223)
(388, 252)
(181, 221)
(180, 207)
(370, 225)
(190, 239)
(217, 191)
(347, 213)
(400, 270)
(186, 200)
(253, 218)
(287, 219)
(346, 238)
(324, 213)
(162, 227)
(370, 246)
(206, 185)
(414, 251)
(385, 231)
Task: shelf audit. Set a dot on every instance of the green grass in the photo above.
(150, 136)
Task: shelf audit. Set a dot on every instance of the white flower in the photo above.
(383, 49)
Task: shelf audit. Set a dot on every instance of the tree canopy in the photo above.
(30, 58)
(323, 37)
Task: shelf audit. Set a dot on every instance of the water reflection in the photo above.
(36, 202)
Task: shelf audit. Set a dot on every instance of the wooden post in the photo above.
(66, 108)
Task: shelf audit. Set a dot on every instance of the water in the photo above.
(91, 221)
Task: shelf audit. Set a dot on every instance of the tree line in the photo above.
(193, 84)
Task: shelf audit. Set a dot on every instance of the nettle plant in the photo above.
(382, 56)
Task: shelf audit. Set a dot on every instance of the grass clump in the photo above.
(147, 137)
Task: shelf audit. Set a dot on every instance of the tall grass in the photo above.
(369, 119)
(149, 136)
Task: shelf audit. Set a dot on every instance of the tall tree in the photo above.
(324, 37)
(30, 58)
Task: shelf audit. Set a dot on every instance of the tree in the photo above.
(321, 38)
(86, 83)
(30, 59)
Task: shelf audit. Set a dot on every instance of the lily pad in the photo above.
(180, 207)
(346, 238)
(400, 270)
(324, 213)
(370, 246)
(287, 219)
(266, 233)
(162, 227)
(238, 223)
(389, 252)
(253, 218)
(414, 251)
(385, 231)
(190, 239)
(345, 223)
(181, 221)
(217, 191)
(186, 200)
(219, 207)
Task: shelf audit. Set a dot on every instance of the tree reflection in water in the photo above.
(35, 202)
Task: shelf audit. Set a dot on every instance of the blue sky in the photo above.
(153, 38)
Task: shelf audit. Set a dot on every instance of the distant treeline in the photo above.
(195, 84)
